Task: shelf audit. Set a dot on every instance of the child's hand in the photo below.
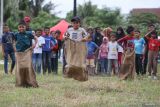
(83, 40)
(33, 46)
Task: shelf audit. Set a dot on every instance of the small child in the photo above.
(37, 51)
(46, 51)
(7, 48)
(75, 36)
(25, 75)
(54, 55)
(113, 54)
(92, 48)
(103, 55)
(154, 45)
(139, 44)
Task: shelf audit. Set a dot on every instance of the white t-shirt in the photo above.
(120, 49)
(76, 35)
(38, 47)
(113, 48)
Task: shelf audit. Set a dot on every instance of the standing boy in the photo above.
(37, 52)
(54, 55)
(154, 45)
(25, 75)
(46, 51)
(113, 54)
(92, 48)
(151, 28)
(75, 51)
(7, 48)
(139, 44)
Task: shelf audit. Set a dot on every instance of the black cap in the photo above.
(22, 23)
(76, 19)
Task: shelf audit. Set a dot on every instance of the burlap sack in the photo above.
(25, 75)
(75, 55)
(127, 69)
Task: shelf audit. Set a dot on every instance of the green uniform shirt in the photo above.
(23, 41)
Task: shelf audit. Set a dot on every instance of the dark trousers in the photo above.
(54, 64)
(12, 56)
(46, 59)
(145, 63)
(138, 60)
(104, 65)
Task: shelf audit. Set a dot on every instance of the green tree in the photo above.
(109, 17)
(10, 9)
(38, 5)
(44, 19)
(143, 18)
(92, 16)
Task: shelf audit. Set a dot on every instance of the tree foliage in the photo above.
(44, 20)
(92, 16)
(143, 18)
(15, 10)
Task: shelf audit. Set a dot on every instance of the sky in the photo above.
(64, 6)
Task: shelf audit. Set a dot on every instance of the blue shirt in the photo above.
(139, 45)
(7, 41)
(49, 43)
(91, 47)
(23, 40)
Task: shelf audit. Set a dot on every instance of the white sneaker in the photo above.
(154, 77)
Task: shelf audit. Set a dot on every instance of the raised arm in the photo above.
(35, 39)
(122, 39)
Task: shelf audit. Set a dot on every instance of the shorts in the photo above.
(90, 62)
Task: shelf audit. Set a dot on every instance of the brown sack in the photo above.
(75, 55)
(25, 75)
(127, 69)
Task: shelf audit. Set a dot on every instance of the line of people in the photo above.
(113, 45)
(105, 48)
(46, 46)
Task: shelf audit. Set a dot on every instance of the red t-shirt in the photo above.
(154, 44)
(127, 41)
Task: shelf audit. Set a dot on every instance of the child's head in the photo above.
(154, 34)
(27, 20)
(57, 34)
(47, 30)
(151, 27)
(75, 22)
(53, 34)
(105, 40)
(107, 31)
(97, 29)
(120, 31)
(22, 27)
(38, 32)
(5, 28)
(130, 30)
(90, 30)
(113, 36)
(137, 33)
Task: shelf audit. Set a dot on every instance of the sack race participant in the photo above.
(25, 75)
(75, 54)
(75, 51)
(127, 69)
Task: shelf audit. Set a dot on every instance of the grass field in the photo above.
(98, 91)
